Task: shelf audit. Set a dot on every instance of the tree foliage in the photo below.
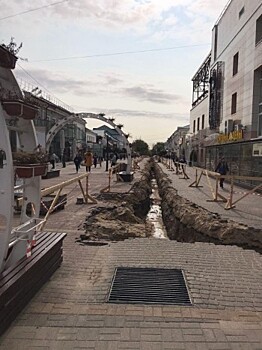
(159, 149)
(140, 147)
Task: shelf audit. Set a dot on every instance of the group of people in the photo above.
(88, 160)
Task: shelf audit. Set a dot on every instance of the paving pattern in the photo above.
(71, 310)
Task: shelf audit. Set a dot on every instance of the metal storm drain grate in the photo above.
(149, 286)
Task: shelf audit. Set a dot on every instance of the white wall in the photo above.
(238, 35)
(198, 111)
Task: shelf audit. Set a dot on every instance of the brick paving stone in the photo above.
(130, 345)
(151, 345)
(173, 346)
(219, 346)
(241, 346)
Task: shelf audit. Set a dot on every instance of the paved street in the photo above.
(71, 310)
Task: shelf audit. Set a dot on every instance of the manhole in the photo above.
(149, 286)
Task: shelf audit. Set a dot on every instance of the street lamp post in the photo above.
(107, 153)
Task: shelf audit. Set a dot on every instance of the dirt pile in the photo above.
(123, 215)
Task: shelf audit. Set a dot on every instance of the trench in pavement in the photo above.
(154, 216)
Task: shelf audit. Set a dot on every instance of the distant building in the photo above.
(176, 143)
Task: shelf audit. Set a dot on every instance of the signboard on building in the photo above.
(257, 150)
(232, 136)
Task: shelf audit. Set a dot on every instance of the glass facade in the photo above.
(239, 157)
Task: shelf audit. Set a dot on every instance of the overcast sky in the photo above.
(131, 59)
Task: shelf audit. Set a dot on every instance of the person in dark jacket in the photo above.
(222, 169)
(77, 161)
(95, 160)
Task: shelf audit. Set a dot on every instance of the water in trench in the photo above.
(154, 216)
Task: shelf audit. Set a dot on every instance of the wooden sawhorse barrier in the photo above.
(230, 203)
(181, 170)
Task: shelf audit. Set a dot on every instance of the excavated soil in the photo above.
(124, 216)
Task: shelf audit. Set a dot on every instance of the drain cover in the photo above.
(149, 286)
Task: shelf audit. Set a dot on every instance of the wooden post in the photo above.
(51, 208)
(86, 195)
(82, 190)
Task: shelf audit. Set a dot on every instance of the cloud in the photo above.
(104, 83)
(118, 113)
(148, 16)
(111, 78)
(58, 82)
(145, 93)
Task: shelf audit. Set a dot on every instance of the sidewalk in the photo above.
(248, 211)
(71, 310)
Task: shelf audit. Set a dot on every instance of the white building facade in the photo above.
(231, 107)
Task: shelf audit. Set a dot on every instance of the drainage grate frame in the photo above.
(136, 285)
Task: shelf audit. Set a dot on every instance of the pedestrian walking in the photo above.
(113, 160)
(53, 159)
(95, 160)
(222, 169)
(77, 161)
(88, 160)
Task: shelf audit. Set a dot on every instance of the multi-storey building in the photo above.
(230, 109)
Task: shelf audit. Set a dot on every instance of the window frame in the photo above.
(235, 63)
(234, 103)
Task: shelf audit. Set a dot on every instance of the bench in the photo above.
(20, 282)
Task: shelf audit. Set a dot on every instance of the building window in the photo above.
(234, 103)
(194, 126)
(260, 120)
(203, 121)
(259, 30)
(235, 64)
(241, 12)
(198, 123)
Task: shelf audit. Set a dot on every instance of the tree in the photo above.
(140, 147)
(159, 149)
